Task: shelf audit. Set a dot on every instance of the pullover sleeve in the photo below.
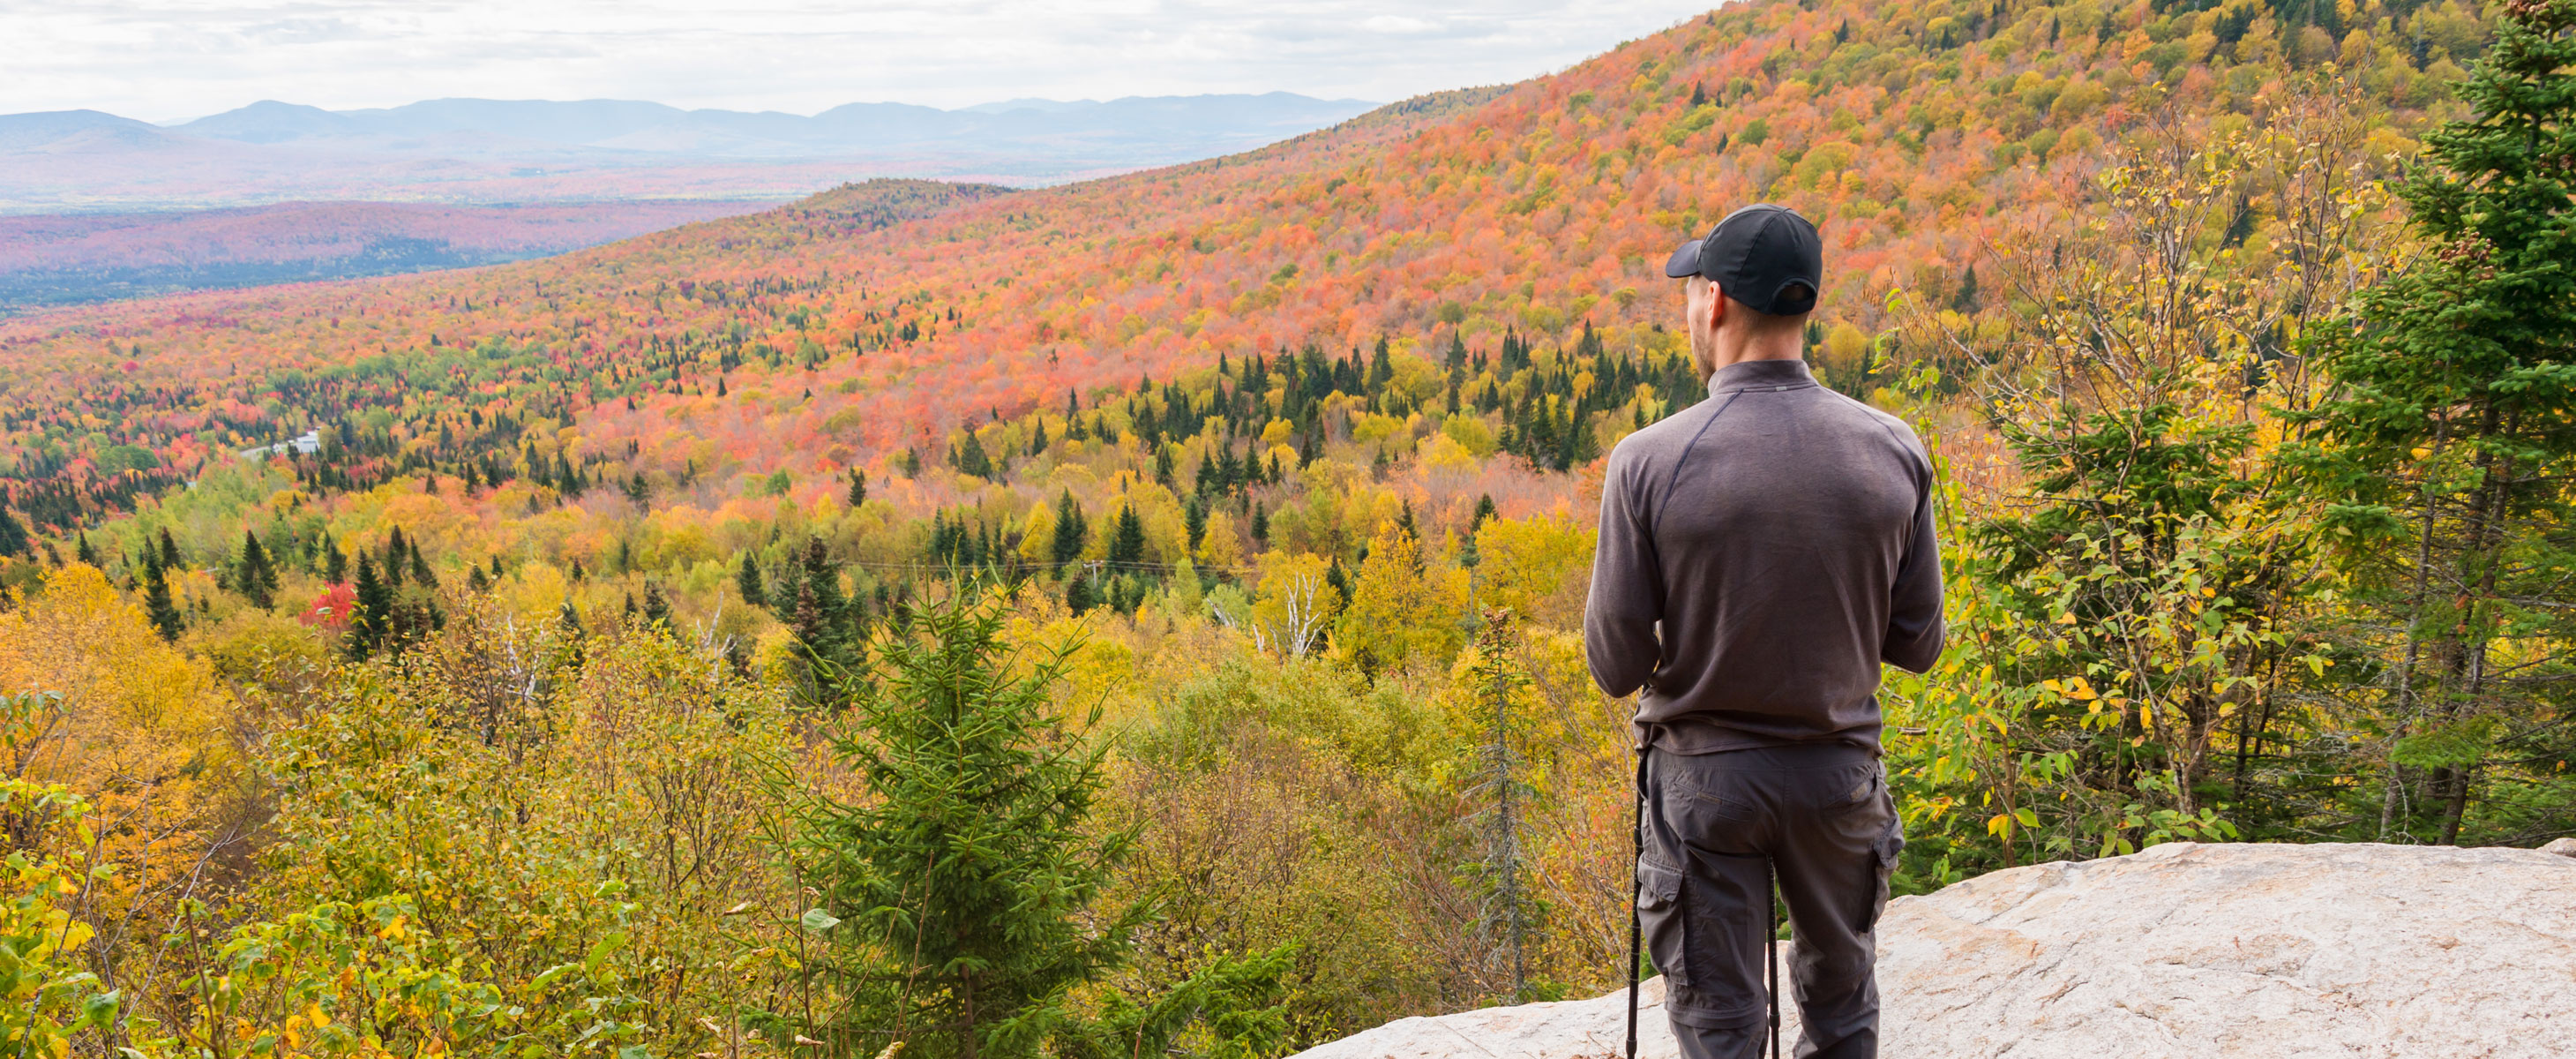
(1627, 597)
(1914, 626)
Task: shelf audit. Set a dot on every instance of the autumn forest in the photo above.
(1145, 613)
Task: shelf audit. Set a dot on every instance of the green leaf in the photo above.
(818, 921)
(600, 953)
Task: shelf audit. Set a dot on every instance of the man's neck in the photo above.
(1785, 347)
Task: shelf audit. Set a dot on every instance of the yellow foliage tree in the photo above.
(1401, 608)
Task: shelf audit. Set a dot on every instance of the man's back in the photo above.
(1781, 534)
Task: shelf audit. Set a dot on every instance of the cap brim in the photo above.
(1685, 261)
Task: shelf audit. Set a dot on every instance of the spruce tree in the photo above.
(971, 458)
(255, 576)
(821, 621)
(657, 608)
(169, 550)
(84, 551)
(335, 563)
(1503, 793)
(13, 536)
(858, 491)
(420, 569)
(746, 581)
(962, 895)
(2452, 433)
(371, 613)
(1127, 547)
(157, 606)
(1072, 532)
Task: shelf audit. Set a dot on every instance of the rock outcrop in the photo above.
(2181, 952)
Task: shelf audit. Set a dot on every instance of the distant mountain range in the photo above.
(492, 151)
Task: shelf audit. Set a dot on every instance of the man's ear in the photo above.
(1716, 306)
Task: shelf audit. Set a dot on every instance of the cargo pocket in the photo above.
(1890, 844)
(1659, 914)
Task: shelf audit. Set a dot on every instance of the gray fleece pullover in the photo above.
(1761, 553)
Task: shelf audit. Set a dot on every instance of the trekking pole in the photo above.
(1636, 928)
(1771, 951)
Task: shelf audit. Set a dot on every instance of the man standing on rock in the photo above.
(1761, 553)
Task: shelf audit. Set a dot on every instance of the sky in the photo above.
(170, 60)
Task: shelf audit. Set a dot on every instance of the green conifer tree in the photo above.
(13, 536)
(963, 895)
(657, 607)
(746, 581)
(1127, 547)
(371, 614)
(2452, 435)
(254, 575)
(157, 606)
(971, 458)
(1072, 531)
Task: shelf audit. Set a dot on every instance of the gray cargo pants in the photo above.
(1714, 827)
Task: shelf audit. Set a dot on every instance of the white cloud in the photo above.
(175, 59)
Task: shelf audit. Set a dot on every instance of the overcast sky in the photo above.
(164, 60)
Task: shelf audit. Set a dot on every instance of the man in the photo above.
(1761, 553)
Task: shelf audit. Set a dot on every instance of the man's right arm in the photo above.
(1627, 596)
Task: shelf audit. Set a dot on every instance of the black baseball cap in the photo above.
(1763, 255)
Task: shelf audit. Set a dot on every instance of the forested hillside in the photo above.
(1144, 614)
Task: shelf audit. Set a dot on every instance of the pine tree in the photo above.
(974, 848)
(84, 551)
(858, 492)
(2453, 432)
(169, 557)
(335, 563)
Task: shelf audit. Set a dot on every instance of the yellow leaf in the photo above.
(2421, 452)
